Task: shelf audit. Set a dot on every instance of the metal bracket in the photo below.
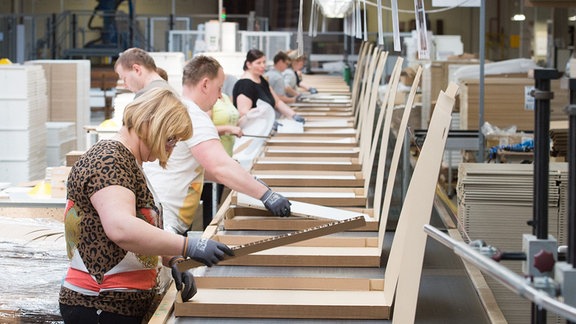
(542, 95)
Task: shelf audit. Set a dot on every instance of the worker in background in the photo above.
(180, 184)
(252, 86)
(113, 221)
(293, 76)
(276, 80)
(136, 68)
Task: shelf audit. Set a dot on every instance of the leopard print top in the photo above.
(107, 163)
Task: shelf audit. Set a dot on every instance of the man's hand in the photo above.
(276, 203)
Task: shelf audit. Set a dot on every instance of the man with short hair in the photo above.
(136, 68)
(276, 79)
(179, 186)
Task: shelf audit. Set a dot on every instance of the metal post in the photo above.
(542, 96)
(571, 110)
(74, 29)
(482, 57)
(53, 36)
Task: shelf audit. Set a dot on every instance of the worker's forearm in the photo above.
(238, 179)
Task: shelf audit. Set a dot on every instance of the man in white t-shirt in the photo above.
(179, 186)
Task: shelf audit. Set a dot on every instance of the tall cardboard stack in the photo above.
(23, 107)
(506, 102)
(68, 93)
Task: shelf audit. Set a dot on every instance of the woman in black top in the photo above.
(252, 86)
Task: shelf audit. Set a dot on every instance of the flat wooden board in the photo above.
(311, 178)
(312, 151)
(291, 283)
(300, 163)
(300, 209)
(285, 304)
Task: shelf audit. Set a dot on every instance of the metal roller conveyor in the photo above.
(505, 276)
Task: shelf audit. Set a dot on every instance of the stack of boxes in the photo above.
(68, 83)
(23, 97)
(60, 139)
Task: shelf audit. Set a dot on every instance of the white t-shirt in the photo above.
(290, 78)
(179, 186)
(276, 81)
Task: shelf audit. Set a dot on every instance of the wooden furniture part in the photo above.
(406, 269)
(280, 240)
(238, 218)
(311, 164)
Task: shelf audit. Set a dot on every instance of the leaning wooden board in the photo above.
(280, 240)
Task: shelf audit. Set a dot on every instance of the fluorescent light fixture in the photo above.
(519, 17)
(335, 8)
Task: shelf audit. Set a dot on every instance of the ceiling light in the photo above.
(335, 8)
(573, 18)
(519, 17)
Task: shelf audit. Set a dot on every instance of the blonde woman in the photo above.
(113, 222)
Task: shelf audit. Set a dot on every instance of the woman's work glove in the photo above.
(184, 280)
(206, 251)
(313, 90)
(299, 118)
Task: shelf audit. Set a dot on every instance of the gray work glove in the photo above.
(184, 280)
(275, 202)
(313, 90)
(206, 251)
(299, 118)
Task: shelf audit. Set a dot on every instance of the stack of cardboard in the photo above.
(60, 139)
(507, 102)
(23, 107)
(68, 83)
(495, 203)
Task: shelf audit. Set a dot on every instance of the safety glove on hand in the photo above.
(313, 90)
(206, 251)
(276, 203)
(184, 280)
(299, 118)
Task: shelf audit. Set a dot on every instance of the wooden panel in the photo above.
(312, 151)
(269, 243)
(286, 304)
(268, 223)
(300, 208)
(296, 283)
(311, 178)
(300, 163)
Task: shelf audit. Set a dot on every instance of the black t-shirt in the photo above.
(254, 91)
